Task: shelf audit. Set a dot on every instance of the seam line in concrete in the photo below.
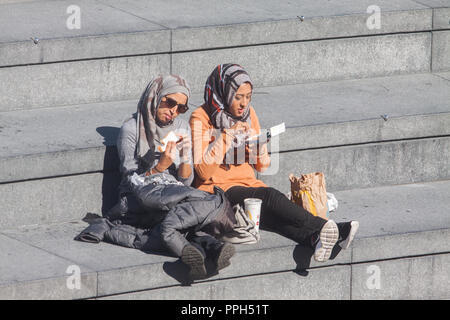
(171, 49)
(428, 6)
(425, 5)
(351, 275)
(434, 74)
(96, 289)
(424, 255)
(132, 14)
(55, 176)
(307, 40)
(431, 41)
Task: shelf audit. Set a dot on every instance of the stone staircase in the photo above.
(369, 107)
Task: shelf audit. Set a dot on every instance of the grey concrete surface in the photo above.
(441, 18)
(81, 138)
(296, 105)
(56, 199)
(323, 60)
(50, 289)
(89, 47)
(401, 209)
(78, 82)
(229, 12)
(88, 81)
(343, 133)
(32, 273)
(16, 1)
(49, 19)
(365, 166)
(293, 29)
(330, 102)
(133, 24)
(444, 75)
(69, 128)
(416, 278)
(441, 49)
(321, 284)
(406, 244)
(60, 163)
(436, 4)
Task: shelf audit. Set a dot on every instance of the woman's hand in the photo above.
(185, 148)
(238, 128)
(167, 157)
(229, 135)
(255, 151)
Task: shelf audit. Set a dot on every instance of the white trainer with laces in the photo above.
(328, 237)
(346, 242)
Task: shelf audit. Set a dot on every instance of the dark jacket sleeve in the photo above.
(165, 197)
(96, 231)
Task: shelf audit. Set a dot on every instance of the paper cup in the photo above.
(253, 210)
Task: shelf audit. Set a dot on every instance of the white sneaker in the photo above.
(348, 235)
(328, 237)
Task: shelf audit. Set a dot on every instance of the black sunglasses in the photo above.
(182, 108)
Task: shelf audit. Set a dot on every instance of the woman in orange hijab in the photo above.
(219, 128)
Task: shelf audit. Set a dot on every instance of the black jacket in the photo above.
(166, 207)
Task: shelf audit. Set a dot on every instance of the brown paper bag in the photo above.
(309, 191)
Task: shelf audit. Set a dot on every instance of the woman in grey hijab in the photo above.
(154, 148)
(142, 137)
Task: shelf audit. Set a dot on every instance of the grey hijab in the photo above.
(149, 130)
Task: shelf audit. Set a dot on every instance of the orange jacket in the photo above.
(209, 146)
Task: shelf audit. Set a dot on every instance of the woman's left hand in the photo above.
(184, 146)
(167, 157)
(255, 151)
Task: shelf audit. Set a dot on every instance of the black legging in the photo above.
(278, 213)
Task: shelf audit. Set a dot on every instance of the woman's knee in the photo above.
(272, 193)
(272, 198)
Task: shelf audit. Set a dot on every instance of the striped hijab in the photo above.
(149, 129)
(220, 89)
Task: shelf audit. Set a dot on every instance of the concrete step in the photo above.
(88, 81)
(423, 278)
(121, 45)
(65, 160)
(365, 165)
(351, 111)
(403, 236)
(117, 28)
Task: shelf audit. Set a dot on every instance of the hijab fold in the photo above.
(149, 129)
(220, 89)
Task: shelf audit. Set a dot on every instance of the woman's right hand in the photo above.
(229, 135)
(238, 128)
(167, 157)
